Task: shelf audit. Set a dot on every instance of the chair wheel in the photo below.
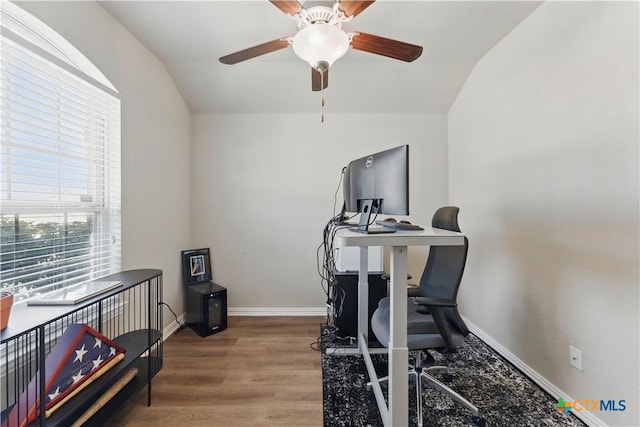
(478, 421)
(369, 387)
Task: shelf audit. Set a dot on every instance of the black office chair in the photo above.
(433, 321)
(441, 276)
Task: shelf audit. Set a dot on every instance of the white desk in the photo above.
(397, 414)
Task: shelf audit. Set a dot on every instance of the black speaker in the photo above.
(346, 318)
(206, 308)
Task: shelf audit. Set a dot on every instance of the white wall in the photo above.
(155, 139)
(263, 189)
(543, 146)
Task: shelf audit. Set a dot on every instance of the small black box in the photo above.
(206, 308)
(347, 319)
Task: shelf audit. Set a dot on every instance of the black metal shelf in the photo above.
(130, 315)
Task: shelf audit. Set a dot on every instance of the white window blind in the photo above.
(59, 171)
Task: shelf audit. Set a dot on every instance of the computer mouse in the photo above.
(404, 222)
(390, 220)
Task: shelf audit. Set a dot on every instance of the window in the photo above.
(59, 162)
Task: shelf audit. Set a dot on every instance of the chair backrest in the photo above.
(445, 265)
(446, 218)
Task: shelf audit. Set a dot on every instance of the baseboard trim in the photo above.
(277, 311)
(584, 416)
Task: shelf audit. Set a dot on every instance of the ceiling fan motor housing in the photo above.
(320, 15)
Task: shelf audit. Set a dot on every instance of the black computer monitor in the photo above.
(378, 184)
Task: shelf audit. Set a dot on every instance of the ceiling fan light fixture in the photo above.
(320, 43)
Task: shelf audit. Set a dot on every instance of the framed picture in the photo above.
(196, 266)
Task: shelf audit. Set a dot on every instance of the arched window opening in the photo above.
(59, 161)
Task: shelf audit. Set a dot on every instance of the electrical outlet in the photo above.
(575, 358)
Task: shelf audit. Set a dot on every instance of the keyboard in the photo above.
(399, 226)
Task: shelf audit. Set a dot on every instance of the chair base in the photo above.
(424, 377)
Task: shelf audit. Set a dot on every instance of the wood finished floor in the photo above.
(260, 371)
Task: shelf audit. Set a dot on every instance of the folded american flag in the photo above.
(80, 356)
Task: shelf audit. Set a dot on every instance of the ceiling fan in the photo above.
(320, 39)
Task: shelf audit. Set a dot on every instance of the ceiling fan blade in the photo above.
(254, 51)
(386, 47)
(290, 7)
(319, 81)
(354, 7)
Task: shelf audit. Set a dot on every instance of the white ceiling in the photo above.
(189, 37)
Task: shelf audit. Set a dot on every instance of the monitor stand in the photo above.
(366, 208)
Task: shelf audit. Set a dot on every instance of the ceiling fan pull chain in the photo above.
(322, 97)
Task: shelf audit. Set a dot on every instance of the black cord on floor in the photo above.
(316, 345)
(327, 336)
(180, 325)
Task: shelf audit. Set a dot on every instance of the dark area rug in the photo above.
(504, 395)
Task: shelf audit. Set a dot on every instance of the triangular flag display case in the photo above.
(84, 361)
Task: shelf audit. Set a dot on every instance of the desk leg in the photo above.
(363, 296)
(398, 352)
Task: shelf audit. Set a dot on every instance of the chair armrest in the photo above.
(434, 302)
(387, 277)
